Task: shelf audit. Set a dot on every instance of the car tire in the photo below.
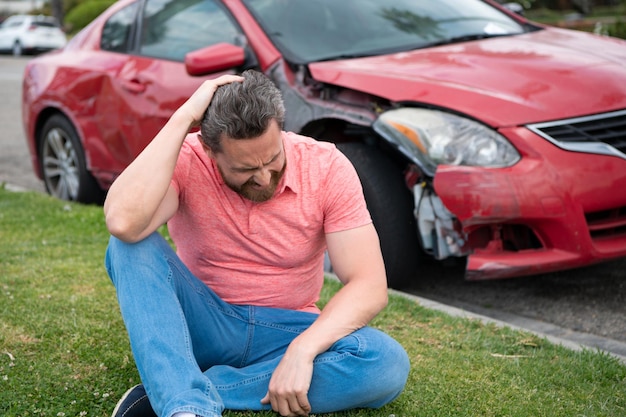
(17, 49)
(63, 165)
(391, 205)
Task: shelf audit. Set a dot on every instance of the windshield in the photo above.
(306, 31)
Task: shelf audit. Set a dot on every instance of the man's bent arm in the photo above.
(357, 260)
(141, 199)
(358, 263)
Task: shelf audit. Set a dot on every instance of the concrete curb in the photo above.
(13, 188)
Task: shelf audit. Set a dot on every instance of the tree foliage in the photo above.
(83, 13)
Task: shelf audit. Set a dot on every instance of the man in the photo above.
(229, 320)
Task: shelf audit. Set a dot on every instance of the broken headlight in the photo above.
(432, 137)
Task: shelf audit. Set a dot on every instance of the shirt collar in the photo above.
(289, 179)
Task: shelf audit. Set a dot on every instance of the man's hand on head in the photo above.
(197, 104)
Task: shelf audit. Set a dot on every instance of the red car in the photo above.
(476, 133)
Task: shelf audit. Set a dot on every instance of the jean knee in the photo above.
(392, 363)
(121, 256)
(110, 255)
(399, 365)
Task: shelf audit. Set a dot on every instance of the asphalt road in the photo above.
(579, 304)
(15, 166)
(585, 305)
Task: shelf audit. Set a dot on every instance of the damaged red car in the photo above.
(476, 133)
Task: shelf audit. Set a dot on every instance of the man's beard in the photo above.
(249, 191)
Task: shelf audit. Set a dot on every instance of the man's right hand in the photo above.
(197, 104)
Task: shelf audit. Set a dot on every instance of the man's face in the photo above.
(253, 167)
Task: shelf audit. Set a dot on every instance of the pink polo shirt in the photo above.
(270, 253)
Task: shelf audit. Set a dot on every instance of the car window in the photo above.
(116, 33)
(172, 28)
(45, 24)
(307, 31)
(13, 23)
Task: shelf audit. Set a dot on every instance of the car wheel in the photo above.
(391, 206)
(17, 49)
(63, 164)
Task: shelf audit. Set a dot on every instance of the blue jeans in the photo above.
(199, 354)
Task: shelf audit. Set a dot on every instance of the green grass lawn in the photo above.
(64, 350)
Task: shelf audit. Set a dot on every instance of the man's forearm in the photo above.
(352, 307)
(138, 201)
(358, 262)
(137, 193)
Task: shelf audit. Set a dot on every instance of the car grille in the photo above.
(602, 134)
(608, 223)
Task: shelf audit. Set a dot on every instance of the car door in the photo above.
(152, 82)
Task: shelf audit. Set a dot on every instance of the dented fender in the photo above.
(517, 221)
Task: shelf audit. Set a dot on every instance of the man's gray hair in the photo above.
(242, 110)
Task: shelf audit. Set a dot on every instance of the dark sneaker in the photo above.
(134, 403)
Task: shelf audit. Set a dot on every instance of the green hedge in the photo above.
(618, 29)
(81, 15)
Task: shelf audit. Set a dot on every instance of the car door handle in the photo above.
(134, 86)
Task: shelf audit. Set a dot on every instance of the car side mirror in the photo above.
(214, 58)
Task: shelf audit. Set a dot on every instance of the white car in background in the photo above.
(20, 34)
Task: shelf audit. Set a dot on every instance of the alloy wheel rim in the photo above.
(60, 165)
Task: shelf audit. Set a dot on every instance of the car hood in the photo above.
(545, 75)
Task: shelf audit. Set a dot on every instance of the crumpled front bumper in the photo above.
(570, 207)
